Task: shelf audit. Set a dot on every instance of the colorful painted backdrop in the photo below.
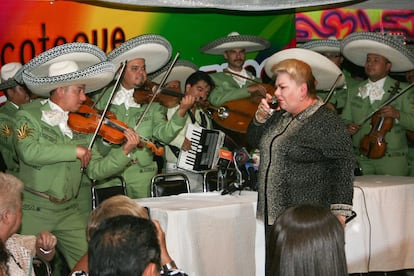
(341, 22)
(30, 27)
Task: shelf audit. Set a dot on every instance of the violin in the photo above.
(86, 120)
(168, 97)
(89, 102)
(373, 144)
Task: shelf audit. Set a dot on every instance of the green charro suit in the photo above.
(48, 164)
(227, 89)
(356, 109)
(7, 148)
(142, 168)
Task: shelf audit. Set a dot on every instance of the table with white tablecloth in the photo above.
(211, 234)
(208, 234)
(381, 237)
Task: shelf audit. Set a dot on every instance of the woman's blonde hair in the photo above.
(299, 71)
(112, 207)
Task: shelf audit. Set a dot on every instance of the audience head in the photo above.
(111, 207)
(306, 240)
(124, 245)
(10, 205)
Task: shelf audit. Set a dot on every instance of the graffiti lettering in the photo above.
(28, 49)
(341, 22)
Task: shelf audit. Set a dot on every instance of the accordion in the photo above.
(205, 147)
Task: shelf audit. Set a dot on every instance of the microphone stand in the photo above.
(238, 184)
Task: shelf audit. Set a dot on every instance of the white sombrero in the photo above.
(181, 71)
(324, 70)
(10, 73)
(91, 72)
(356, 46)
(155, 49)
(84, 54)
(250, 43)
(323, 45)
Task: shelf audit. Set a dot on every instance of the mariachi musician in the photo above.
(51, 154)
(235, 82)
(145, 54)
(384, 132)
(16, 94)
(193, 83)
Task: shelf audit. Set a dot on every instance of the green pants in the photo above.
(62, 219)
(387, 165)
(84, 200)
(137, 178)
(411, 161)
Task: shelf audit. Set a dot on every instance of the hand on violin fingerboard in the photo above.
(187, 102)
(132, 140)
(389, 111)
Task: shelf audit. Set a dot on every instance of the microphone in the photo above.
(242, 156)
(225, 158)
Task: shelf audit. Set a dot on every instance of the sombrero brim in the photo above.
(155, 49)
(250, 43)
(324, 70)
(8, 84)
(355, 47)
(84, 54)
(94, 77)
(181, 71)
(322, 45)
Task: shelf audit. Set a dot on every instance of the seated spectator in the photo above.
(125, 245)
(306, 240)
(16, 251)
(116, 206)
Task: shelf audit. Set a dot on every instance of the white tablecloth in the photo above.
(381, 237)
(209, 234)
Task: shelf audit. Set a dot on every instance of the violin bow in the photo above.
(122, 69)
(328, 97)
(159, 88)
(241, 76)
(387, 102)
